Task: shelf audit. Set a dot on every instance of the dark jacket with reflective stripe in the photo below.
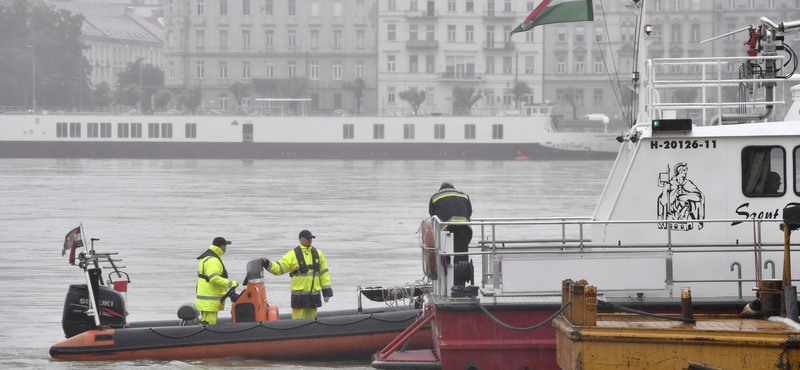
(450, 205)
(304, 295)
(211, 291)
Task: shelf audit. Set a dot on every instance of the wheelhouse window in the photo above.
(348, 130)
(191, 130)
(796, 170)
(152, 130)
(764, 171)
(136, 130)
(377, 131)
(438, 131)
(469, 131)
(62, 129)
(408, 131)
(166, 130)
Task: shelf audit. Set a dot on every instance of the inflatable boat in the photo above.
(255, 329)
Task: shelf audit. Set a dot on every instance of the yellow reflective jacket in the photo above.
(211, 291)
(304, 295)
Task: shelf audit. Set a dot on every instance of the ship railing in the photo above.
(672, 83)
(567, 238)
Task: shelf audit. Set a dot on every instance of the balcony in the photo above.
(499, 15)
(499, 46)
(424, 14)
(460, 76)
(422, 44)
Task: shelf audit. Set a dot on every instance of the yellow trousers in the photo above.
(209, 317)
(304, 313)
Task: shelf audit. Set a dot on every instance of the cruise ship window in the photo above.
(763, 170)
(166, 130)
(74, 129)
(348, 130)
(92, 129)
(408, 131)
(105, 129)
(191, 130)
(438, 131)
(136, 130)
(152, 130)
(62, 129)
(377, 131)
(469, 131)
(497, 132)
(122, 130)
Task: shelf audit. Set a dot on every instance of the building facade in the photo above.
(113, 43)
(214, 43)
(436, 45)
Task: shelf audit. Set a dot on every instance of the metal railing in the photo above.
(569, 238)
(658, 82)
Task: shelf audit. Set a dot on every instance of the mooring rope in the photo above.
(537, 326)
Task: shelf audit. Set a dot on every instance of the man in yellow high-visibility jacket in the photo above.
(212, 282)
(310, 276)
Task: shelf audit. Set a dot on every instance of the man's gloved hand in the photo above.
(265, 262)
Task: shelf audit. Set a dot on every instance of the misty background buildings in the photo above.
(231, 52)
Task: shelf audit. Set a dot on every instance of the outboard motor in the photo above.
(75, 321)
(251, 306)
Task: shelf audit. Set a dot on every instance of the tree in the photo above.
(519, 90)
(294, 88)
(129, 96)
(191, 98)
(101, 96)
(162, 98)
(356, 87)
(152, 79)
(239, 90)
(465, 97)
(413, 97)
(569, 97)
(61, 68)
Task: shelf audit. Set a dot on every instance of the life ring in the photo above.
(429, 251)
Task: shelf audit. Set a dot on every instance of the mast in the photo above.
(639, 75)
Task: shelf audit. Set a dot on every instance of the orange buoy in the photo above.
(428, 253)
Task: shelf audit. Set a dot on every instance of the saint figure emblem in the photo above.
(680, 199)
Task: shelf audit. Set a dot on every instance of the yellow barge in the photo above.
(588, 341)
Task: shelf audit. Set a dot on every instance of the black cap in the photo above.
(220, 241)
(306, 234)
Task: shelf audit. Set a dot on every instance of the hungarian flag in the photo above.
(557, 11)
(71, 242)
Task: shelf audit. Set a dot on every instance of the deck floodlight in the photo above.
(635, 76)
(648, 29)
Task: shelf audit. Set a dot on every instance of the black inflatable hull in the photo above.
(351, 336)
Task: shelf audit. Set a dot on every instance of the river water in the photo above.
(161, 214)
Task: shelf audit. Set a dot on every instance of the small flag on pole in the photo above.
(72, 241)
(557, 11)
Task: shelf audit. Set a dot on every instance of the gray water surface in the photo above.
(161, 214)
